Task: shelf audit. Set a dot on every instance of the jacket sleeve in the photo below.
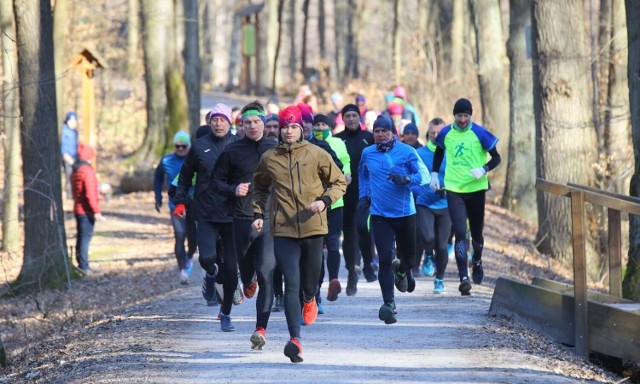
(185, 177)
(158, 180)
(261, 183)
(91, 188)
(343, 155)
(221, 172)
(331, 176)
(419, 173)
(363, 177)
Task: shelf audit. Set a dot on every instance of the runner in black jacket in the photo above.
(212, 208)
(232, 175)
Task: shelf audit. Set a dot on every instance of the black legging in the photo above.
(209, 233)
(463, 206)
(300, 261)
(332, 239)
(386, 231)
(434, 227)
(356, 234)
(255, 256)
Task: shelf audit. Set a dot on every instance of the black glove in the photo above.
(158, 205)
(172, 191)
(364, 203)
(399, 179)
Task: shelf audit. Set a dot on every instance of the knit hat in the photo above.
(388, 97)
(395, 108)
(182, 137)
(383, 121)
(360, 99)
(400, 92)
(86, 152)
(271, 117)
(322, 118)
(70, 116)
(350, 108)
(290, 115)
(462, 106)
(306, 112)
(411, 128)
(221, 110)
(202, 130)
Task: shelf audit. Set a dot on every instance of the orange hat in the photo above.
(86, 152)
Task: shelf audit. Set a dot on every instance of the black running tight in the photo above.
(463, 206)
(434, 227)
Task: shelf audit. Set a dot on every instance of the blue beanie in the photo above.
(411, 128)
(70, 116)
(383, 121)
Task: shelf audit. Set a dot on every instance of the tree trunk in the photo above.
(303, 52)
(156, 23)
(397, 39)
(617, 138)
(354, 23)
(206, 40)
(278, 43)
(11, 129)
(60, 25)
(45, 256)
(631, 282)
(192, 63)
(322, 30)
(291, 31)
(520, 193)
(602, 58)
(235, 52)
(566, 145)
(133, 38)
(341, 13)
(492, 78)
(460, 14)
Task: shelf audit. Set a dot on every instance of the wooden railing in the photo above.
(615, 204)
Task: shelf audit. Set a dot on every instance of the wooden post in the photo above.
(88, 117)
(579, 274)
(615, 253)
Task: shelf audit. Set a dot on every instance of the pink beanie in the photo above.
(220, 110)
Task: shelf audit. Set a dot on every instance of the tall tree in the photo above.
(341, 14)
(305, 29)
(11, 129)
(631, 282)
(45, 241)
(492, 77)
(601, 57)
(156, 23)
(617, 138)
(460, 8)
(291, 31)
(520, 193)
(278, 43)
(192, 62)
(133, 37)
(566, 145)
(397, 40)
(60, 25)
(355, 21)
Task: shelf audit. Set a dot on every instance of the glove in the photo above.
(435, 182)
(158, 205)
(399, 179)
(180, 210)
(364, 203)
(478, 172)
(172, 191)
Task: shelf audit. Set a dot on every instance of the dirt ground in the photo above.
(136, 324)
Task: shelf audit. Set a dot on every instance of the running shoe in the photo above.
(400, 279)
(277, 304)
(258, 339)
(189, 266)
(438, 286)
(250, 290)
(387, 313)
(352, 283)
(428, 267)
(334, 289)
(293, 350)
(208, 287)
(465, 287)
(225, 323)
(411, 282)
(319, 302)
(310, 312)
(369, 274)
(477, 273)
(184, 277)
(238, 297)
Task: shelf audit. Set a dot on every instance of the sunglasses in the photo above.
(181, 146)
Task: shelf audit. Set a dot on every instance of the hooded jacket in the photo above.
(356, 142)
(299, 174)
(209, 204)
(84, 185)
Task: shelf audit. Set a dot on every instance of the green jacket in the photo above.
(340, 149)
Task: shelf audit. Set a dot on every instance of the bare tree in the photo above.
(11, 129)
(60, 25)
(156, 21)
(45, 257)
(397, 40)
(305, 25)
(133, 37)
(192, 63)
(492, 77)
(566, 145)
(631, 282)
(291, 31)
(341, 15)
(520, 193)
(278, 43)
(460, 9)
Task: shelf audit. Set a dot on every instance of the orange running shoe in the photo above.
(258, 339)
(310, 312)
(293, 350)
(250, 290)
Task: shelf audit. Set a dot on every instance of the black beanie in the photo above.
(202, 130)
(322, 118)
(350, 108)
(462, 106)
(384, 121)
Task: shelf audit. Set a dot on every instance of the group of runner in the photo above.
(266, 204)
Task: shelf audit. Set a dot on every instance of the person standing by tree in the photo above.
(183, 228)
(86, 208)
(465, 145)
(357, 237)
(69, 147)
(387, 172)
(212, 209)
(303, 182)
